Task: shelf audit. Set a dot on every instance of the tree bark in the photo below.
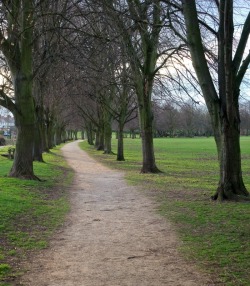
(38, 139)
(120, 149)
(107, 133)
(97, 138)
(50, 134)
(44, 137)
(89, 131)
(58, 135)
(38, 147)
(231, 185)
(99, 143)
(23, 160)
(146, 123)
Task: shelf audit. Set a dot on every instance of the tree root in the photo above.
(153, 170)
(229, 194)
(109, 153)
(25, 177)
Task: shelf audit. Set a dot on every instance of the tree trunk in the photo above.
(97, 138)
(146, 125)
(38, 142)
(89, 131)
(120, 149)
(107, 133)
(231, 185)
(75, 134)
(64, 135)
(82, 135)
(58, 133)
(99, 144)
(20, 62)
(44, 137)
(23, 159)
(38, 147)
(25, 123)
(50, 135)
(68, 134)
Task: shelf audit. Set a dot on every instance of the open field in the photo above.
(215, 235)
(30, 211)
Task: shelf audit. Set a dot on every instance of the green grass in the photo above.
(30, 210)
(215, 235)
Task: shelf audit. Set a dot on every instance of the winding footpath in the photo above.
(112, 237)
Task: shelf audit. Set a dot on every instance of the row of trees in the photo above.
(189, 119)
(186, 119)
(96, 61)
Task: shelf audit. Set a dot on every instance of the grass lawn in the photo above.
(215, 235)
(30, 211)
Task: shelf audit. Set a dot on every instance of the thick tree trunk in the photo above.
(120, 149)
(231, 185)
(68, 134)
(23, 160)
(58, 136)
(50, 135)
(99, 143)
(38, 139)
(146, 124)
(19, 58)
(58, 133)
(89, 131)
(97, 138)
(107, 134)
(38, 147)
(49, 130)
(64, 136)
(44, 137)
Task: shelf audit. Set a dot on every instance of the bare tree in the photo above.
(140, 25)
(221, 94)
(16, 45)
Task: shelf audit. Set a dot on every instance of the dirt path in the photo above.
(113, 237)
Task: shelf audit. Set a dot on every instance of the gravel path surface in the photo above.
(112, 237)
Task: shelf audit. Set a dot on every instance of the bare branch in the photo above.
(242, 44)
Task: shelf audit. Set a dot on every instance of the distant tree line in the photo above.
(184, 120)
